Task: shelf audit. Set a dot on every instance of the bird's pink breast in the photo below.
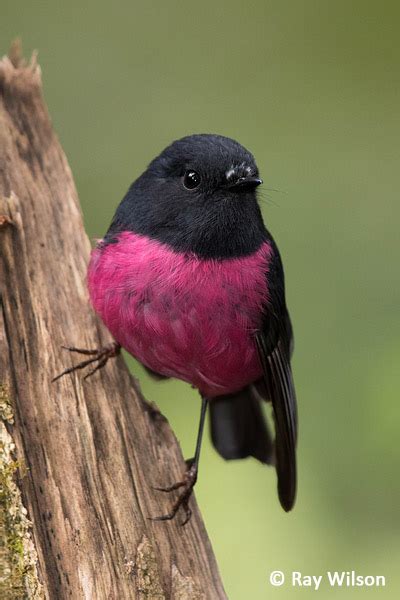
(180, 315)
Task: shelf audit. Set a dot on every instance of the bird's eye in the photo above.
(191, 180)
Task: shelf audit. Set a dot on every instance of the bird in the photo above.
(190, 282)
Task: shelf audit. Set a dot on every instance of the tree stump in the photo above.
(78, 459)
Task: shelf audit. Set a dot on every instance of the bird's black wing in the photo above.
(274, 344)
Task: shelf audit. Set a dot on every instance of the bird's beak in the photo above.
(245, 183)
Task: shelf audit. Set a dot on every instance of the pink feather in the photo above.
(180, 315)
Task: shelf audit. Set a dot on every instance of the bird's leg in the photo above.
(189, 478)
(99, 355)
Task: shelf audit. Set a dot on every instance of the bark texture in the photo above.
(77, 458)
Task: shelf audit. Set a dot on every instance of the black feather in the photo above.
(238, 427)
(278, 376)
(275, 345)
(212, 221)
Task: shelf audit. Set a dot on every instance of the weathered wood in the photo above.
(87, 452)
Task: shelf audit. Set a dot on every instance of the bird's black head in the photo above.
(198, 195)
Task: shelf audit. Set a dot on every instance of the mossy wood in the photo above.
(78, 458)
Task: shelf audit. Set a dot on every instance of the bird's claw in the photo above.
(99, 355)
(187, 483)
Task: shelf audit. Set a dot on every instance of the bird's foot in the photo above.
(187, 483)
(99, 355)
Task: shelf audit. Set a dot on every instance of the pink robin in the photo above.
(190, 282)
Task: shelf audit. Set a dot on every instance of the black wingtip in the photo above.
(287, 498)
(287, 505)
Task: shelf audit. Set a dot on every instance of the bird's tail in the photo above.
(239, 428)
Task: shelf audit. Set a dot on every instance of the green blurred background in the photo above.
(312, 88)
